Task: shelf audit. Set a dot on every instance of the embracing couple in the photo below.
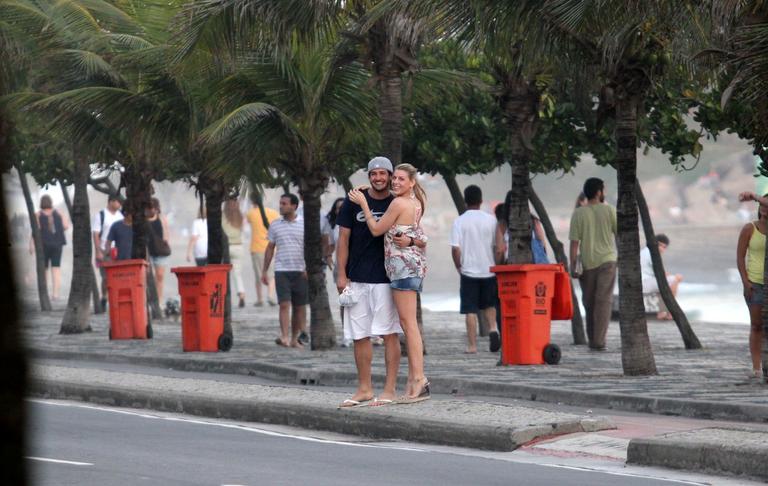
(381, 264)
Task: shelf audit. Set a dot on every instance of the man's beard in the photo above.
(380, 187)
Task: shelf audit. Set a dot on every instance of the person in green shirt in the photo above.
(593, 231)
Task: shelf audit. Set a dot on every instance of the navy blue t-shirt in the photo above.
(122, 235)
(366, 253)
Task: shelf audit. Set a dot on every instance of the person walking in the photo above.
(197, 247)
(405, 267)
(158, 246)
(259, 227)
(472, 249)
(750, 260)
(101, 223)
(52, 226)
(120, 236)
(286, 244)
(593, 234)
(232, 224)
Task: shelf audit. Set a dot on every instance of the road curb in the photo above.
(634, 403)
(703, 454)
(365, 422)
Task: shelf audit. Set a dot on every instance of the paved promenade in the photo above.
(711, 383)
(708, 383)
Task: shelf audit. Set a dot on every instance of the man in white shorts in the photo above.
(360, 263)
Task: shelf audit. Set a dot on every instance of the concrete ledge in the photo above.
(736, 451)
(635, 403)
(452, 423)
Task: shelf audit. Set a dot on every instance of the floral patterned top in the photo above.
(407, 262)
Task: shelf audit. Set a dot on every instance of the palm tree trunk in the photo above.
(138, 190)
(218, 245)
(321, 326)
(67, 199)
(455, 191)
(519, 103)
(42, 286)
(77, 315)
(263, 213)
(391, 113)
(95, 297)
(14, 367)
(689, 337)
(577, 323)
(214, 197)
(636, 353)
(519, 221)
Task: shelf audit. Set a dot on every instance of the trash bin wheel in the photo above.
(225, 342)
(150, 333)
(552, 354)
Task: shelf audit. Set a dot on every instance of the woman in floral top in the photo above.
(405, 266)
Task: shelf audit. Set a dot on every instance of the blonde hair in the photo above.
(232, 213)
(417, 189)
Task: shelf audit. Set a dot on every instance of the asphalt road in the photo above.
(71, 443)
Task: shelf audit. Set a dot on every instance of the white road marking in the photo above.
(616, 473)
(59, 461)
(436, 449)
(228, 426)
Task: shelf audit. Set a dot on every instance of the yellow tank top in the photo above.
(756, 256)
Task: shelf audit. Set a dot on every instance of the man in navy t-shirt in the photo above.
(360, 258)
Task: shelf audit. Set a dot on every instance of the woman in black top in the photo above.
(158, 247)
(52, 226)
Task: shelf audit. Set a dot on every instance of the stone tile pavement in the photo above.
(709, 383)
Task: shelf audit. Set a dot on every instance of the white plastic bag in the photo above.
(348, 297)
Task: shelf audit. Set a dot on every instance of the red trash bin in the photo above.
(525, 294)
(126, 289)
(202, 291)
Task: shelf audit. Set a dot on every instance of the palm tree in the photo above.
(292, 110)
(629, 41)
(103, 82)
(621, 42)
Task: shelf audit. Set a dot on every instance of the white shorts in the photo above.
(373, 315)
(651, 286)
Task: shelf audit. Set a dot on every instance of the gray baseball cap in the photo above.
(380, 163)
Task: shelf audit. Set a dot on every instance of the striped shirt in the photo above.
(288, 237)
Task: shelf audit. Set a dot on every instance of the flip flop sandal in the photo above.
(280, 342)
(351, 403)
(424, 395)
(380, 402)
(494, 342)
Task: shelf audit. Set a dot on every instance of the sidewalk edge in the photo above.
(351, 422)
(634, 403)
(699, 456)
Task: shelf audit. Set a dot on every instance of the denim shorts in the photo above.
(410, 283)
(159, 261)
(758, 297)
